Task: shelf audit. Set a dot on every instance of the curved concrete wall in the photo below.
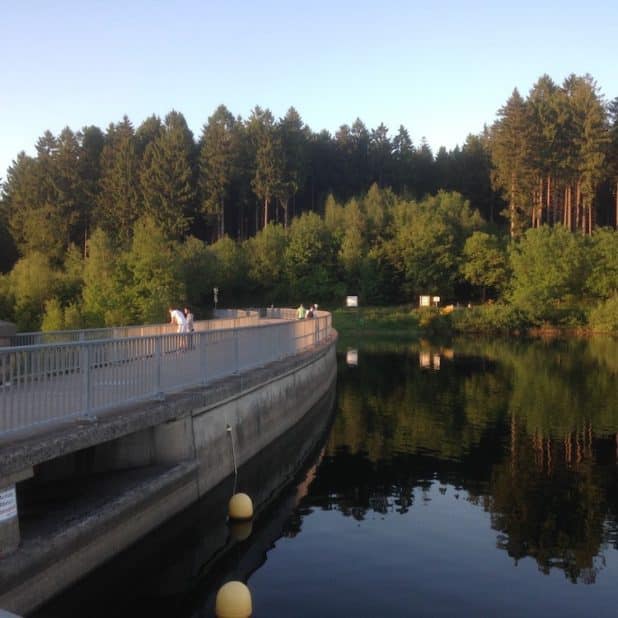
(194, 439)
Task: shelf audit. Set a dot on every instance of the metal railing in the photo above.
(43, 383)
(236, 319)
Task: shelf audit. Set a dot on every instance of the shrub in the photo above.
(490, 318)
(604, 317)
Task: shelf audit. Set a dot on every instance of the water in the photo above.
(478, 478)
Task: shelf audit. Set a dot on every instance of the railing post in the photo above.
(159, 357)
(236, 352)
(84, 363)
(202, 342)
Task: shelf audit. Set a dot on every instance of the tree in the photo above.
(105, 298)
(268, 165)
(590, 138)
(167, 177)
(119, 198)
(310, 259)
(484, 262)
(603, 258)
(231, 271)
(266, 262)
(428, 240)
(510, 145)
(218, 161)
(403, 155)
(155, 272)
(549, 269)
(612, 157)
(293, 135)
(381, 156)
(33, 282)
(89, 164)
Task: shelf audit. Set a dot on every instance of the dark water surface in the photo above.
(478, 478)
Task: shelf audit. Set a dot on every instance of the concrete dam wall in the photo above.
(87, 491)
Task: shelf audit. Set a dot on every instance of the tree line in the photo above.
(269, 211)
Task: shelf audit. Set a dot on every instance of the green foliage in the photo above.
(309, 261)
(428, 242)
(265, 256)
(484, 262)
(230, 273)
(198, 267)
(549, 272)
(168, 177)
(119, 196)
(7, 299)
(603, 279)
(604, 317)
(103, 289)
(219, 157)
(155, 273)
(53, 319)
(432, 320)
(490, 318)
(33, 281)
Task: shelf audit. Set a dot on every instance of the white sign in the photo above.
(424, 301)
(351, 301)
(351, 357)
(8, 504)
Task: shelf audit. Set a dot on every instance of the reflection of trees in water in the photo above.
(529, 430)
(551, 505)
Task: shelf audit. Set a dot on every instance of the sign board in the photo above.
(351, 357)
(351, 301)
(8, 504)
(424, 301)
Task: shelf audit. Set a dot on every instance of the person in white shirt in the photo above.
(177, 317)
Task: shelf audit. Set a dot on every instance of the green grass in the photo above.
(382, 321)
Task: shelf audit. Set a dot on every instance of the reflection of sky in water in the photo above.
(439, 558)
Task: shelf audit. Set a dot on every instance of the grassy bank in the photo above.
(490, 319)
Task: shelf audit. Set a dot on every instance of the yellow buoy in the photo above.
(233, 601)
(240, 507)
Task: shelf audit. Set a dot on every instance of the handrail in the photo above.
(49, 382)
(117, 332)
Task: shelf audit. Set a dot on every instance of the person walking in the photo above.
(177, 317)
(301, 312)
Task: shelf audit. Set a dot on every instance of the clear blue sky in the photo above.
(441, 69)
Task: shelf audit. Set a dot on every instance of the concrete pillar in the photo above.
(9, 521)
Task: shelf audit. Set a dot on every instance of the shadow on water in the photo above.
(178, 568)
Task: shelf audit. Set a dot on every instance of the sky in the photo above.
(440, 69)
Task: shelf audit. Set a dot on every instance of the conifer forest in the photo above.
(111, 226)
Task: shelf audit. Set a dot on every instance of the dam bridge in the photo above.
(119, 429)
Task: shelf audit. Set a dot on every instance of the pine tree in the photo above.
(510, 147)
(167, 177)
(268, 163)
(612, 156)
(219, 158)
(293, 136)
(381, 156)
(118, 200)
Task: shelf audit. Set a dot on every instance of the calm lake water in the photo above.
(476, 478)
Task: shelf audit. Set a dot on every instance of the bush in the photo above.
(432, 320)
(490, 318)
(604, 317)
